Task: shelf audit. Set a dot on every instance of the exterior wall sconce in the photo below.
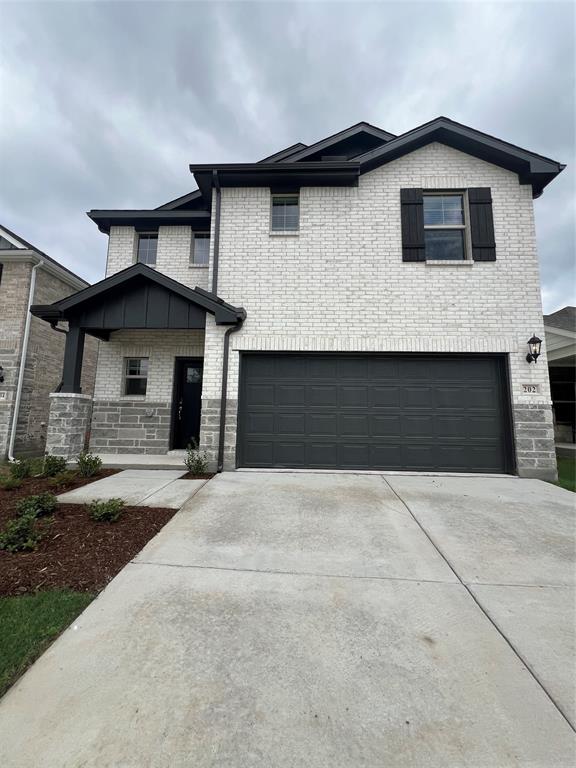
(534, 345)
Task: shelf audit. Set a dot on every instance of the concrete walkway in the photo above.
(138, 488)
(322, 621)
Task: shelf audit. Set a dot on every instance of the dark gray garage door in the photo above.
(352, 411)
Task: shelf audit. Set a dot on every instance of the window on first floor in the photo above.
(135, 375)
(285, 215)
(444, 226)
(147, 248)
(200, 254)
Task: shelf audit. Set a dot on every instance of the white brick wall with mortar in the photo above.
(161, 347)
(172, 259)
(341, 284)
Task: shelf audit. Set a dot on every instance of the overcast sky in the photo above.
(104, 105)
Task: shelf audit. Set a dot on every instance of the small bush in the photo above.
(106, 511)
(10, 483)
(37, 506)
(196, 461)
(21, 468)
(63, 479)
(53, 465)
(20, 535)
(88, 464)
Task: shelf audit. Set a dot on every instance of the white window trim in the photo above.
(284, 232)
(192, 264)
(465, 226)
(126, 376)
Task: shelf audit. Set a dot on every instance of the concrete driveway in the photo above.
(300, 620)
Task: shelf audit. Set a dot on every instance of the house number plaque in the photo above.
(530, 389)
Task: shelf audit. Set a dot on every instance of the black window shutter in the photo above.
(412, 217)
(481, 224)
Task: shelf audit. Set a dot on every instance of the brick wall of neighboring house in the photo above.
(43, 369)
(122, 424)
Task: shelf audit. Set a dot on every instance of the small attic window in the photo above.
(6, 245)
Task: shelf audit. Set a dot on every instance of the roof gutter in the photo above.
(216, 257)
(23, 355)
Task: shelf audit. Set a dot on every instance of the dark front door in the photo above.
(187, 392)
(374, 411)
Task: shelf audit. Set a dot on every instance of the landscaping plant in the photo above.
(106, 511)
(88, 464)
(20, 534)
(10, 483)
(21, 468)
(196, 461)
(37, 506)
(63, 479)
(53, 465)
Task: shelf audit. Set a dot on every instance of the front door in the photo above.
(186, 405)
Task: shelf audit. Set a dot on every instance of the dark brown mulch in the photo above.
(75, 552)
(193, 476)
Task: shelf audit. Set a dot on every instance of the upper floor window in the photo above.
(285, 213)
(136, 376)
(200, 255)
(147, 248)
(444, 227)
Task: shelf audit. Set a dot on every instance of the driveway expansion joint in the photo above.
(466, 586)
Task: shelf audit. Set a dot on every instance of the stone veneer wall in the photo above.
(535, 448)
(68, 424)
(123, 426)
(210, 429)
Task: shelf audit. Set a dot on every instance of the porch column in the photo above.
(73, 354)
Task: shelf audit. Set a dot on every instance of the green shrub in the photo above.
(20, 534)
(63, 479)
(106, 511)
(37, 506)
(53, 465)
(10, 483)
(88, 464)
(196, 461)
(21, 468)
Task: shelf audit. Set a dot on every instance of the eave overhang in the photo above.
(148, 220)
(271, 174)
(76, 306)
(531, 168)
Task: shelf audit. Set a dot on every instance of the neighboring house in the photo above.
(560, 329)
(31, 353)
(363, 303)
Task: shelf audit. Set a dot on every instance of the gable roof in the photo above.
(283, 153)
(25, 245)
(225, 314)
(350, 142)
(564, 318)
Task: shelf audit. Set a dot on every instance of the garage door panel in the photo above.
(371, 411)
(323, 395)
(290, 424)
(319, 424)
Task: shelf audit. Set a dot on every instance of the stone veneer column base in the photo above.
(210, 431)
(68, 424)
(535, 449)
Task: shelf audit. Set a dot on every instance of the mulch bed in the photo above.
(76, 552)
(192, 476)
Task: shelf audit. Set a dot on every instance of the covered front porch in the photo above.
(148, 394)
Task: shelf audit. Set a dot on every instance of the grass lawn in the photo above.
(567, 473)
(29, 623)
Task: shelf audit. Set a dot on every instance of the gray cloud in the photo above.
(105, 104)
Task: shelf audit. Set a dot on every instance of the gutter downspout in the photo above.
(24, 354)
(216, 183)
(222, 432)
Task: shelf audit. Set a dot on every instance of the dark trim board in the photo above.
(375, 411)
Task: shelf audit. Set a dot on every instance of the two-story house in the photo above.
(362, 303)
(31, 352)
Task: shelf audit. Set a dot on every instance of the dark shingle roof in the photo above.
(564, 318)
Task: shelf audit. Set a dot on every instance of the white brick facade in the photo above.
(340, 284)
